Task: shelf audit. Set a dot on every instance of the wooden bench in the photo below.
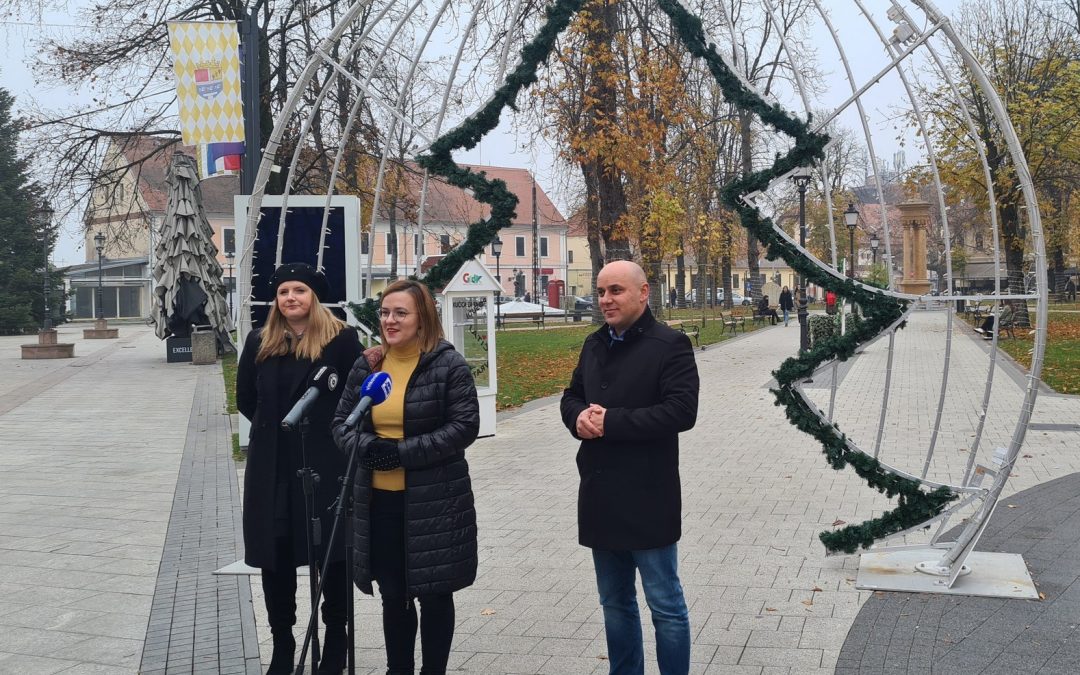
(536, 317)
(691, 330)
(759, 317)
(731, 322)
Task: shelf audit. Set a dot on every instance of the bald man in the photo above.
(634, 389)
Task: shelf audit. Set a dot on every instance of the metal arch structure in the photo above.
(909, 37)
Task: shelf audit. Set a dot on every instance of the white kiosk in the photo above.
(468, 318)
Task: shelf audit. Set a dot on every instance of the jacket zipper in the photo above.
(405, 497)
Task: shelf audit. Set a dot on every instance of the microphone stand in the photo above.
(343, 511)
(309, 479)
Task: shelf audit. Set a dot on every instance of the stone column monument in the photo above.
(915, 217)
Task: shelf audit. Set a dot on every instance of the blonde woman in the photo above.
(275, 368)
(413, 518)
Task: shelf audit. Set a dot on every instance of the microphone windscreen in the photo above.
(325, 379)
(376, 386)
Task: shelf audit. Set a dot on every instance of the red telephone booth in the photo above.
(555, 292)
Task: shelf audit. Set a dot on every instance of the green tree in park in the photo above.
(22, 249)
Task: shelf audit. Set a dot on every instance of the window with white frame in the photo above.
(519, 247)
(543, 247)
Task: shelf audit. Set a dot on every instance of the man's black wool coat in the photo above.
(630, 496)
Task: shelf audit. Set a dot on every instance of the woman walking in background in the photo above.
(274, 370)
(787, 303)
(414, 522)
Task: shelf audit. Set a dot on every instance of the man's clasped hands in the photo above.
(590, 423)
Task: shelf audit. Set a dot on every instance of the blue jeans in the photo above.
(615, 579)
(785, 317)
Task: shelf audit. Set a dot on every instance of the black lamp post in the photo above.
(496, 250)
(801, 178)
(229, 257)
(851, 219)
(874, 243)
(99, 241)
(44, 217)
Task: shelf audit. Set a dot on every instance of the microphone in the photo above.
(374, 390)
(325, 380)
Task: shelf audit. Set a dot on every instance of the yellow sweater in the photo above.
(389, 416)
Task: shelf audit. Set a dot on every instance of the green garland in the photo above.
(915, 505)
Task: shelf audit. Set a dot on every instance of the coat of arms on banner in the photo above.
(208, 79)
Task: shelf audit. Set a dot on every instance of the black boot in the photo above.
(284, 654)
(334, 650)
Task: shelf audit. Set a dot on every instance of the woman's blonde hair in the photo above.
(322, 327)
(429, 328)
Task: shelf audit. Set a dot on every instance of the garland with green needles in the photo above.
(915, 505)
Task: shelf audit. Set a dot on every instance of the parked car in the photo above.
(738, 299)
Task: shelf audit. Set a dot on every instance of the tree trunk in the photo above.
(393, 239)
(1013, 243)
(725, 266)
(610, 192)
(592, 232)
(680, 280)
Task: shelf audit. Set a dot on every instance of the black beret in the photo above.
(305, 274)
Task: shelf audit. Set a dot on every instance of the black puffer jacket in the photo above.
(442, 418)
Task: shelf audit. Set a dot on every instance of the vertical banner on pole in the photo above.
(206, 60)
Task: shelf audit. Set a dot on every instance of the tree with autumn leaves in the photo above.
(1031, 53)
(653, 138)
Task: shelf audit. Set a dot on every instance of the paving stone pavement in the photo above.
(924, 633)
(89, 453)
(79, 561)
(764, 597)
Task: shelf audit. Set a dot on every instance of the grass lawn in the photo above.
(537, 363)
(228, 371)
(1061, 363)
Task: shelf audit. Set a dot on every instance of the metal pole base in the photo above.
(920, 570)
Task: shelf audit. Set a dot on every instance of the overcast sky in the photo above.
(17, 37)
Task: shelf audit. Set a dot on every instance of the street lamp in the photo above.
(229, 257)
(44, 217)
(99, 241)
(874, 243)
(801, 178)
(496, 250)
(851, 219)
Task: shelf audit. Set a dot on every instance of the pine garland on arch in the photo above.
(915, 504)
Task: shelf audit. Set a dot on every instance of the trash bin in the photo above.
(203, 347)
(581, 307)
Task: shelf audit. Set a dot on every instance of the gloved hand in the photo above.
(382, 455)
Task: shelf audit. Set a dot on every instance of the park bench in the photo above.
(536, 317)
(691, 330)
(759, 317)
(731, 322)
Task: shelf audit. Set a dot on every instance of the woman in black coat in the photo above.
(787, 303)
(414, 521)
(275, 368)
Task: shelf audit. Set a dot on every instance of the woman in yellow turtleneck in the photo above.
(414, 525)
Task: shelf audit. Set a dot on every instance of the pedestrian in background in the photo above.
(634, 389)
(673, 296)
(765, 310)
(787, 303)
(414, 523)
(300, 336)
